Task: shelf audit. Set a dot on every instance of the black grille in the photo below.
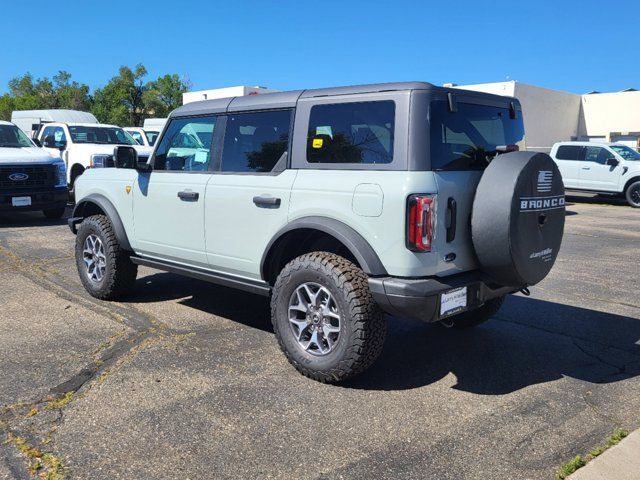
(37, 176)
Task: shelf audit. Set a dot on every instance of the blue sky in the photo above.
(569, 45)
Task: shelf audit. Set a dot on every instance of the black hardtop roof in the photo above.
(290, 98)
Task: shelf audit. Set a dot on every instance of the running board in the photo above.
(252, 286)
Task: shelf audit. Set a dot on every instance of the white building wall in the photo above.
(225, 92)
(615, 116)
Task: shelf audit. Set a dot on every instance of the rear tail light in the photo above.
(420, 222)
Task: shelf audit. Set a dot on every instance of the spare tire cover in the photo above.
(517, 220)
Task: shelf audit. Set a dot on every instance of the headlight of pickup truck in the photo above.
(61, 174)
(99, 160)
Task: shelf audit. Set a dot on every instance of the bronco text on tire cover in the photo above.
(518, 218)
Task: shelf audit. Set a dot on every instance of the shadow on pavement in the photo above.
(597, 199)
(530, 341)
(31, 219)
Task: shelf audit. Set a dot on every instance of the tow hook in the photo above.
(525, 291)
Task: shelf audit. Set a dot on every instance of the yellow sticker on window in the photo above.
(317, 143)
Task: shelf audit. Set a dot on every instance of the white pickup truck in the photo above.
(85, 145)
(611, 168)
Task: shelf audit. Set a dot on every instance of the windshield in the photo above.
(11, 136)
(468, 138)
(105, 135)
(625, 152)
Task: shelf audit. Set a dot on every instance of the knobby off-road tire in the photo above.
(632, 195)
(341, 289)
(475, 317)
(118, 274)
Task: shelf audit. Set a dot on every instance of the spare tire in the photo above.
(517, 220)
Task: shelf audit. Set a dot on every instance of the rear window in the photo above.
(467, 138)
(570, 152)
(359, 132)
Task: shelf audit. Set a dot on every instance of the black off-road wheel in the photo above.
(325, 319)
(54, 213)
(105, 268)
(632, 194)
(475, 317)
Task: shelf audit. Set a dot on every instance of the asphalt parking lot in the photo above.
(185, 379)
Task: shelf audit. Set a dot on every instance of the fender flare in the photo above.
(104, 204)
(350, 238)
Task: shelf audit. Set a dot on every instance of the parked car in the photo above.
(152, 127)
(85, 145)
(600, 167)
(143, 137)
(339, 203)
(30, 178)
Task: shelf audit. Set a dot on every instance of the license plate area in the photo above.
(21, 201)
(453, 302)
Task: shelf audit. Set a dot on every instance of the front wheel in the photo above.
(325, 319)
(632, 194)
(105, 269)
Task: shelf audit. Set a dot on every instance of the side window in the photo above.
(254, 142)
(58, 135)
(570, 152)
(351, 133)
(597, 154)
(186, 145)
(137, 137)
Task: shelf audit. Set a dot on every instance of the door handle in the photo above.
(453, 213)
(586, 168)
(265, 201)
(188, 196)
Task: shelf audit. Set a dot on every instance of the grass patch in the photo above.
(571, 466)
(613, 439)
(60, 402)
(45, 465)
(578, 461)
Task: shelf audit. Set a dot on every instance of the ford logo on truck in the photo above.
(18, 177)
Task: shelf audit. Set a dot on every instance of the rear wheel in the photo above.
(105, 269)
(325, 319)
(54, 213)
(632, 194)
(475, 317)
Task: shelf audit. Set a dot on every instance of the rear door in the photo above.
(247, 200)
(595, 174)
(462, 143)
(169, 202)
(569, 159)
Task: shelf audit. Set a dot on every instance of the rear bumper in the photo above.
(419, 298)
(42, 198)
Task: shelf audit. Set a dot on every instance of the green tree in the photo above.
(163, 95)
(121, 100)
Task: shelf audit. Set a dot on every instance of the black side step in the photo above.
(254, 286)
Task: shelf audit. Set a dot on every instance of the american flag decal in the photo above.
(545, 178)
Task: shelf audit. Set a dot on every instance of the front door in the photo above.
(56, 140)
(169, 202)
(595, 174)
(248, 200)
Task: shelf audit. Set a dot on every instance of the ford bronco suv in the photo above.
(30, 178)
(340, 204)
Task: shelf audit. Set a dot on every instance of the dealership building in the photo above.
(552, 116)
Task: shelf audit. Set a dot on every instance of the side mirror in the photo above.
(125, 157)
(612, 162)
(49, 142)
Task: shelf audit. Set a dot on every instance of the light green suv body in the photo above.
(274, 179)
